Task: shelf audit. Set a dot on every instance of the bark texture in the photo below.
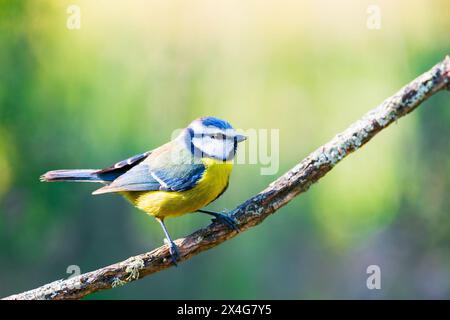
(256, 209)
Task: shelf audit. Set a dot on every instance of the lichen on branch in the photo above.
(256, 209)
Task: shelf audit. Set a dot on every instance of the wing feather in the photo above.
(157, 172)
(125, 165)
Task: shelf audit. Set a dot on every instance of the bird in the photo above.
(179, 177)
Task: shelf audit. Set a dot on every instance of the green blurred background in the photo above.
(137, 70)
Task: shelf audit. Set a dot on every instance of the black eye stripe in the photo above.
(218, 136)
(212, 135)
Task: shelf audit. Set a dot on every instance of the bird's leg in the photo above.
(222, 217)
(173, 249)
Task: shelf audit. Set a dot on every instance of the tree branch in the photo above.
(256, 209)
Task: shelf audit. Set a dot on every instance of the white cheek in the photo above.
(203, 144)
(214, 147)
(229, 148)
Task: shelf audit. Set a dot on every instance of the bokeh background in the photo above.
(137, 70)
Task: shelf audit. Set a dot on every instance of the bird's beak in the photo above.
(240, 137)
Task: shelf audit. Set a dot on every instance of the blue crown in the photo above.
(215, 122)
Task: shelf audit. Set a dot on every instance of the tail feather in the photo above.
(76, 175)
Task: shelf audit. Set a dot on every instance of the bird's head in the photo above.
(213, 138)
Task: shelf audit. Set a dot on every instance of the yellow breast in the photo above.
(164, 204)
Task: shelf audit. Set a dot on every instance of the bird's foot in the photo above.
(174, 252)
(226, 219)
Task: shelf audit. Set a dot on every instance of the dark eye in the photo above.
(218, 136)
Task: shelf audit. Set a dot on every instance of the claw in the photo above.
(229, 221)
(173, 249)
(226, 219)
(174, 252)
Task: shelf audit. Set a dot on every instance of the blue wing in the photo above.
(179, 178)
(152, 175)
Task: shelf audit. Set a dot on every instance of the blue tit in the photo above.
(179, 177)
